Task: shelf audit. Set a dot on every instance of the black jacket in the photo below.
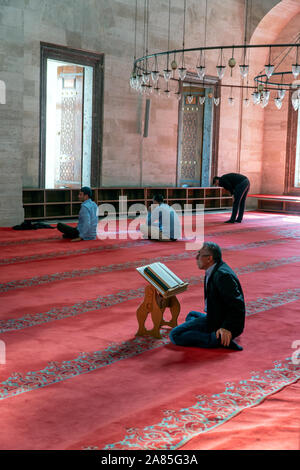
(231, 180)
(225, 300)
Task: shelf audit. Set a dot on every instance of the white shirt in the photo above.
(168, 220)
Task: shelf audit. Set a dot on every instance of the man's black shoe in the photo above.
(232, 345)
(235, 346)
(229, 222)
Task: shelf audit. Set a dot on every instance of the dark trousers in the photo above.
(240, 195)
(68, 232)
(194, 332)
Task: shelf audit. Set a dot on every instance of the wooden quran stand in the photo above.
(156, 304)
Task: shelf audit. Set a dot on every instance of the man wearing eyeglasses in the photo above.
(224, 306)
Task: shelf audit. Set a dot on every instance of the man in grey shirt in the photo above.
(87, 219)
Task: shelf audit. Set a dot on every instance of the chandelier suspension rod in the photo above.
(135, 29)
(183, 38)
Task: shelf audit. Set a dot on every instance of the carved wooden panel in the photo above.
(70, 109)
(191, 143)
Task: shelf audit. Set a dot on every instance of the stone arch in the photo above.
(275, 21)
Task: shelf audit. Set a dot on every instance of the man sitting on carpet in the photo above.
(224, 306)
(162, 222)
(87, 219)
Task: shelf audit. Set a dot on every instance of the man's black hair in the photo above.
(87, 190)
(158, 198)
(214, 250)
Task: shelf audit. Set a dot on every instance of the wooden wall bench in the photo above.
(277, 203)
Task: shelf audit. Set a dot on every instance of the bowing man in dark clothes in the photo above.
(224, 306)
(238, 186)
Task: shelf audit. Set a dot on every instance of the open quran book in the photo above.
(163, 279)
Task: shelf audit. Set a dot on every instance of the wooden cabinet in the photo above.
(63, 203)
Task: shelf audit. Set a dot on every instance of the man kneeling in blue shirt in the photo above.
(87, 219)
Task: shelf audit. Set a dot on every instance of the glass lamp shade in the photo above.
(200, 71)
(201, 100)
(244, 69)
(269, 70)
(264, 102)
(256, 97)
(221, 71)
(146, 77)
(295, 100)
(231, 100)
(217, 101)
(145, 88)
(155, 75)
(167, 74)
(177, 95)
(189, 99)
(295, 70)
(133, 81)
(281, 93)
(266, 95)
(295, 104)
(246, 102)
(167, 93)
(139, 81)
(182, 73)
(298, 92)
(157, 90)
(278, 103)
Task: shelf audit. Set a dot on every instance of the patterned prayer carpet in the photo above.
(76, 377)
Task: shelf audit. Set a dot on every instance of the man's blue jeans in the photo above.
(194, 332)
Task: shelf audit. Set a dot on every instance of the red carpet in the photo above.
(77, 377)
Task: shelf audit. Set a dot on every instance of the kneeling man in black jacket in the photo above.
(224, 306)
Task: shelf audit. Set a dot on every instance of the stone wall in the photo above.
(11, 114)
(107, 27)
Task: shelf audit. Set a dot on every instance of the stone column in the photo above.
(11, 115)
